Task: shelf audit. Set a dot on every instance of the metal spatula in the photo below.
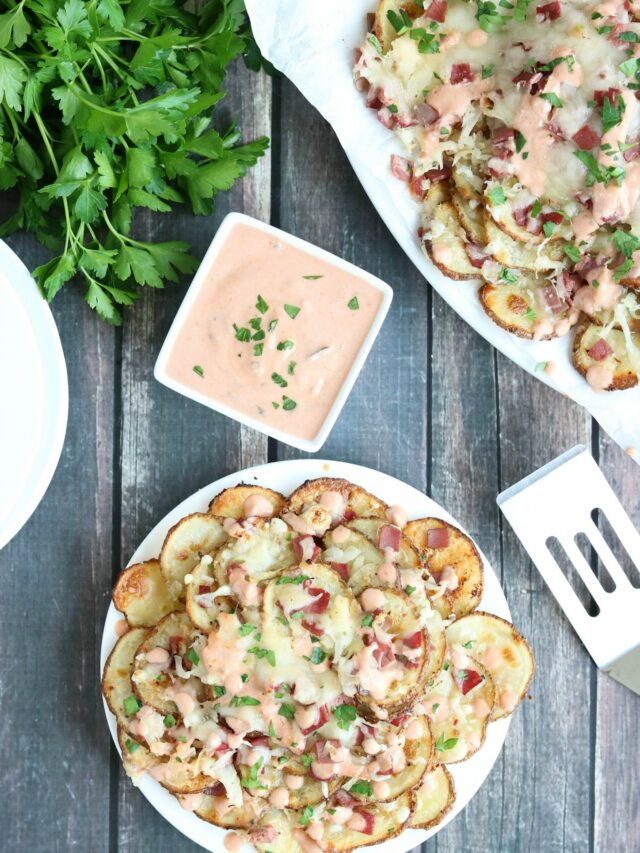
(557, 501)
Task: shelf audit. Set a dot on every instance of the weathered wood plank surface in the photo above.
(435, 406)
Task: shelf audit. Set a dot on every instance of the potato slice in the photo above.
(464, 178)
(518, 255)
(459, 555)
(136, 758)
(388, 819)
(389, 687)
(517, 307)
(242, 501)
(471, 215)
(150, 683)
(205, 597)
(458, 718)
(406, 558)
(356, 502)
(116, 677)
(445, 242)
(621, 367)
(142, 594)
(217, 811)
(433, 799)
(263, 550)
(186, 543)
(504, 652)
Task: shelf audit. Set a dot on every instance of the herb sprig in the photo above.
(107, 108)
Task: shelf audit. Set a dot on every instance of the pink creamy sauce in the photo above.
(326, 333)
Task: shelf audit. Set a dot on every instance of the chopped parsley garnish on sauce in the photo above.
(611, 113)
(287, 710)
(169, 721)
(251, 781)
(312, 277)
(199, 370)
(242, 333)
(219, 690)
(306, 760)
(264, 654)
(361, 787)
(551, 98)
(242, 701)
(275, 405)
(288, 404)
(353, 303)
(261, 305)
(292, 311)
(291, 369)
(285, 345)
(520, 141)
(258, 349)
(279, 380)
(345, 715)
(597, 173)
(272, 325)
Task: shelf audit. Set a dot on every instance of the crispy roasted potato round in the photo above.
(244, 501)
(142, 594)
(433, 799)
(186, 543)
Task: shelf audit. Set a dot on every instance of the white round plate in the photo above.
(285, 477)
(34, 395)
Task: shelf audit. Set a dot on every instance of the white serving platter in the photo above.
(33, 395)
(284, 477)
(313, 45)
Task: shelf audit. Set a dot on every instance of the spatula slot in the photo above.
(621, 554)
(592, 557)
(568, 569)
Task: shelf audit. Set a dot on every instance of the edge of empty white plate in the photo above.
(54, 390)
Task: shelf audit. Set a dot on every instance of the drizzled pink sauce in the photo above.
(326, 333)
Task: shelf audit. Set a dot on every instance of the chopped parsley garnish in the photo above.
(468, 644)
(572, 252)
(257, 349)
(264, 654)
(611, 114)
(251, 781)
(242, 333)
(275, 405)
(244, 678)
(361, 787)
(306, 760)
(317, 654)
(345, 715)
(292, 311)
(627, 35)
(287, 710)
(279, 380)
(272, 733)
(427, 42)
(305, 817)
(378, 48)
(536, 210)
(282, 620)
(193, 656)
(520, 141)
(597, 173)
(629, 66)
(272, 325)
(530, 314)
(409, 589)
(625, 242)
(367, 620)
(285, 345)
(131, 745)
(313, 277)
(353, 303)
(393, 108)
(131, 705)
(169, 721)
(509, 276)
(291, 369)
(219, 690)
(497, 196)
(296, 579)
(199, 370)
(623, 269)
(401, 23)
(541, 365)
(551, 98)
(288, 404)
(261, 305)
(246, 629)
(487, 71)
(243, 701)
(442, 745)
(548, 227)
(488, 17)
(445, 665)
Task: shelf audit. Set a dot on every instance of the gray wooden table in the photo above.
(435, 406)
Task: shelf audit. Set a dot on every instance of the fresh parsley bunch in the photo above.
(106, 106)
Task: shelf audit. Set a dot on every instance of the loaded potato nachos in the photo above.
(301, 670)
(522, 124)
